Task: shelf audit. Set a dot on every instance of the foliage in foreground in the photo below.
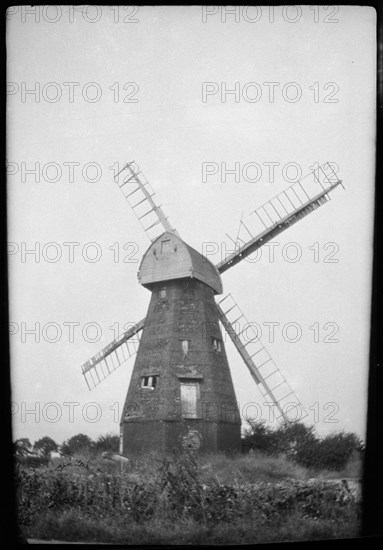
(75, 526)
(80, 501)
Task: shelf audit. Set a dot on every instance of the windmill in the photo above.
(181, 392)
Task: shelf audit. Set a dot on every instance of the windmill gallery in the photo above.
(181, 393)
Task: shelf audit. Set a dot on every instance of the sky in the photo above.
(221, 111)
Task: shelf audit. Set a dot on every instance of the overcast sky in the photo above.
(114, 85)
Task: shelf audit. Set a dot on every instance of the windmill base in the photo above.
(166, 436)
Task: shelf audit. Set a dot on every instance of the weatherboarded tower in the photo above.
(181, 393)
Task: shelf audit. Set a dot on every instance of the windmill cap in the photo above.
(169, 258)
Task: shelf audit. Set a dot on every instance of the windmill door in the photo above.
(189, 399)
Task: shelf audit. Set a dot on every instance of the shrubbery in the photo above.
(41, 451)
(32, 461)
(176, 491)
(300, 443)
(262, 496)
(296, 441)
(79, 443)
(334, 451)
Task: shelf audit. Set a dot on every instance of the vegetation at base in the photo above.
(267, 494)
(295, 441)
(182, 499)
(41, 451)
(73, 526)
(299, 443)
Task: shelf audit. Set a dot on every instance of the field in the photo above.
(183, 499)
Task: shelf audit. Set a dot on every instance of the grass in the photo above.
(247, 468)
(73, 527)
(353, 469)
(210, 499)
(250, 468)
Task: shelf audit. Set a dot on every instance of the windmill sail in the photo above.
(137, 191)
(271, 382)
(279, 213)
(112, 356)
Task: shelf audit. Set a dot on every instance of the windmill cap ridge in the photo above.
(169, 257)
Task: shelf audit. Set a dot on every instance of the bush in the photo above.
(109, 442)
(300, 444)
(261, 438)
(77, 444)
(32, 461)
(22, 447)
(45, 446)
(334, 451)
(182, 499)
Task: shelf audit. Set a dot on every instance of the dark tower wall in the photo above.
(193, 403)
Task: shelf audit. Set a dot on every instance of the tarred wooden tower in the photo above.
(181, 394)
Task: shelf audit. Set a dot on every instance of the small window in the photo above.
(163, 293)
(149, 382)
(217, 344)
(165, 246)
(185, 346)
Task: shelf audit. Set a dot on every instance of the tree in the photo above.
(298, 442)
(108, 442)
(23, 446)
(295, 440)
(76, 444)
(335, 450)
(45, 446)
(260, 437)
